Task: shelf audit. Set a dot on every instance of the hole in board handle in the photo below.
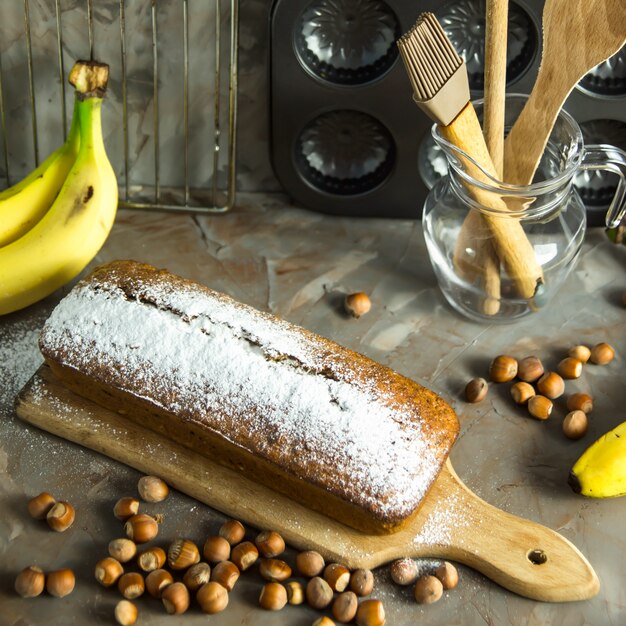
(537, 557)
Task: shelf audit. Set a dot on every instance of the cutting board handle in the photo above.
(518, 554)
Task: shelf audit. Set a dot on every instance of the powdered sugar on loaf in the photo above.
(242, 374)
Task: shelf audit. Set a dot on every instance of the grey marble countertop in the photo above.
(299, 265)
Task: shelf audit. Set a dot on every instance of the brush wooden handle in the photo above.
(509, 238)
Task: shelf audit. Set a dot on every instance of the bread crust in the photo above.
(236, 432)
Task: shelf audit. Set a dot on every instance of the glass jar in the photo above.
(502, 251)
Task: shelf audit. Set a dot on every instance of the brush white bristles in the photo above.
(432, 62)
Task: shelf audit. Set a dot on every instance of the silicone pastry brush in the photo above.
(441, 89)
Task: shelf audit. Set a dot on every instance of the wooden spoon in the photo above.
(577, 36)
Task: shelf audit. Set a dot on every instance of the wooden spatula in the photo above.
(452, 523)
(577, 35)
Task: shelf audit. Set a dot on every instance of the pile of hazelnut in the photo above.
(428, 587)
(32, 580)
(226, 555)
(135, 569)
(548, 385)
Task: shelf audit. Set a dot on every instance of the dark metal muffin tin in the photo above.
(346, 137)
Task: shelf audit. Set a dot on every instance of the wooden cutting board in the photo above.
(453, 523)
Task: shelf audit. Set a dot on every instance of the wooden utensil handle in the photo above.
(496, 32)
(495, 79)
(510, 240)
(518, 554)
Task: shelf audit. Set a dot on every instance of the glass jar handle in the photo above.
(609, 159)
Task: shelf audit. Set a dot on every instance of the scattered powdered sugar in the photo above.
(441, 523)
(20, 357)
(256, 380)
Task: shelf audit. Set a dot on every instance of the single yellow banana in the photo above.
(600, 472)
(25, 203)
(70, 234)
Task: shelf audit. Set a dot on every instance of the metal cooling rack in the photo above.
(221, 71)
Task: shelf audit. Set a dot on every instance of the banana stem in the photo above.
(89, 78)
(90, 120)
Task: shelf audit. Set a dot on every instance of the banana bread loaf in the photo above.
(327, 426)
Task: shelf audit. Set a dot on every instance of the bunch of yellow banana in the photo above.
(601, 470)
(53, 222)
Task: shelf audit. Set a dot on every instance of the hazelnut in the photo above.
(216, 549)
(125, 507)
(275, 570)
(226, 574)
(60, 583)
(337, 576)
(529, 369)
(196, 576)
(323, 621)
(448, 575)
(476, 390)
(404, 571)
(540, 407)
(295, 592)
(157, 580)
(244, 555)
(125, 613)
(428, 589)
(362, 582)
(522, 392)
(575, 424)
(233, 531)
(357, 304)
(318, 593)
(370, 613)
(310, 563)
(108, 571)
(182, 554)
(61, 516)
(273, 596)
(345, 606)
(580, 402)
(152, 489)
(30, 582)
(269, 544)
(175, 598)
(39, 506)
(141, 528)
(551, 385)
(151, 559)
(570, 368)
(122, 549)
(502, 369)
(602, 353)
(212, 598)
(131, 585)
(582, 353)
